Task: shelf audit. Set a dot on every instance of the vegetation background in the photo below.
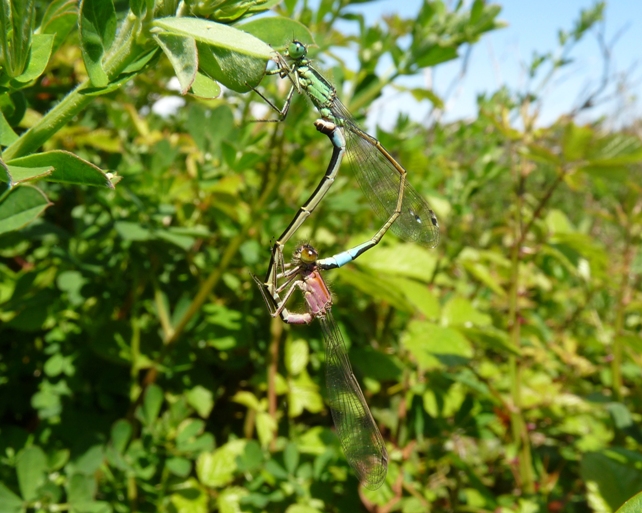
(139, 369)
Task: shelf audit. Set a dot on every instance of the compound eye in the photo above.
(309, 255)
(297, 49)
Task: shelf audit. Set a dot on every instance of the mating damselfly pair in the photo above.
(402, 210)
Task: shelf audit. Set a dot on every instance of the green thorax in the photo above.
(320, 91)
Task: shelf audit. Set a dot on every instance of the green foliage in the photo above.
(139, 369)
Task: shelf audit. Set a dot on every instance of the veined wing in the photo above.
(360, 438)
(379, 179)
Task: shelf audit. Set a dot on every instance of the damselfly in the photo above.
(380, 176)
(358, 433)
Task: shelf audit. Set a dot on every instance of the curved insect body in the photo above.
(357, 430)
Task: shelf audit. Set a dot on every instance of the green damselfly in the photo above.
(379, 175)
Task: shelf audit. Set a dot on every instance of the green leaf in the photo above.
(31, 467)
(121, 433)
(16, 29)
(460, 312)
(633, 505)
(225, 54)
(67, 168)
(435, 346)
(181, 52)
(278, 31)
(26, 174)
(88, 462)
(576, 141)
(229, 501)
(230, 68)
(20, 206)
(180, 467)
(217, 35)
(201, 399)
(41, 47)
(81, 489)
(189, 497)
(408, 260)
(9, 501)
(152, 404)
(297, 355)
(204, 87)
(7, 135)
(216, 469)
(97, 26)
(617, 472)
(291, 458)
(58, 20)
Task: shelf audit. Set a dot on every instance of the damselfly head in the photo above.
(297, 50)
(306, 254)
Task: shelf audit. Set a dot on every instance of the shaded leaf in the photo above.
(20, 206)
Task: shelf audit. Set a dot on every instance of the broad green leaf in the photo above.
(58, 20)
(204, 87)
(617, 472)
(97, 26)
(81, 489)
(180, 467)
(88, 462)
(189, 497)
(576, 141)
(633, 505)
(7, 135)
(303, 394)
(201, 399)
(433, 55)
(377, 286)
(482, 273)
(278, 31)
(152, 404)
(229, 501)
(20, 206)
(247, 399)
(232, 69)
(266, 428)
(132, 231)
(9, 501)
(31, 467)
(121, 433)
(181, 52)
(375, 364)
(434, 346)
(228, 55)
(41, 47)
(490, 337)
(26, 174)
(297, 355)
(216, 469)
(458, 311)
(217, 35)
(67, 168)
(408, 260)
(188, 429)
(291, 458)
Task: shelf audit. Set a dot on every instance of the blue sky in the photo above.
(498, 59)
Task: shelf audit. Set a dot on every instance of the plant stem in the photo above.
(518, 425)
(123, 52)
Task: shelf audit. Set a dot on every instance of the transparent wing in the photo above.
(379, 180)
(360, 438)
